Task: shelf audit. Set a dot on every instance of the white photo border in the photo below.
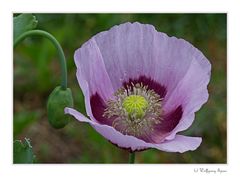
(231, 7)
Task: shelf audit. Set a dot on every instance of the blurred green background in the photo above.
(37, 73)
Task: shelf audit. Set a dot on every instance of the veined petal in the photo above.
(179, 144)
(127, 51)
(131, 50)
(191, 92)
(91, 74)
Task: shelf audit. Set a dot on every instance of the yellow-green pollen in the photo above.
(135, 105)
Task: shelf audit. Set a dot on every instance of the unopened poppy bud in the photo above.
(57, 101)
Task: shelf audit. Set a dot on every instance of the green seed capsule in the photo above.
(57, 101)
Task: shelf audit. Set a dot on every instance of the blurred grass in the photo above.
(36, 73)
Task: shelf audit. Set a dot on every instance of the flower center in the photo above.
(135, 110)
(135, 106)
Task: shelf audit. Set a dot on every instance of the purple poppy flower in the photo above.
(142, 87)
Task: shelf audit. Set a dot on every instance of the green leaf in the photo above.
(22, 152)
(23, 23)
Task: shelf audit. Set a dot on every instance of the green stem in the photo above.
(131, 157)
(62, 59)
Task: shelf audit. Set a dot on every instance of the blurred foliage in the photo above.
(23, 152)
(37, 72)
(23, 23)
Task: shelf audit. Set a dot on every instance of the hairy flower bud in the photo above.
(57, 101)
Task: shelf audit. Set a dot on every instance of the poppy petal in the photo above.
(179, 144)
(191, 92)
(91, 74)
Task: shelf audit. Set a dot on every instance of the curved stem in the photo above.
(56, 44)
(131, 157)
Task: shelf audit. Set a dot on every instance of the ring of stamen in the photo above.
(135, 110)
